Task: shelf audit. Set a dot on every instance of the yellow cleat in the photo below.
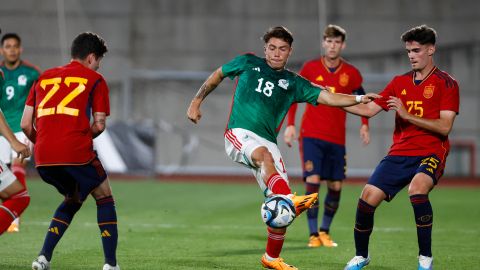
(277, 264)
(13, 228)
(302, 203)
(314, 241)
(326, 240)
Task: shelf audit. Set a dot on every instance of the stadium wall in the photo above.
(189, 35)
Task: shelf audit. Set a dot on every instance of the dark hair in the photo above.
(280, 32)
(333, 30)
(87, 43)
(11, 35)
(422, 34)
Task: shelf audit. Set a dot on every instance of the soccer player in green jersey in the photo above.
(264, 93)
(19, 77)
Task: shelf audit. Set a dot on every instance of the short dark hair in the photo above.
(11, 35)
(280, 32)
(333, 30)
(422, 34)
(87, 43)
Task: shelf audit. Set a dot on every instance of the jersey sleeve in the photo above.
(30, 101)
(235, 67)
(306, 91)
(450, 97)
(386, 93)
(100, 101)
(357, 81)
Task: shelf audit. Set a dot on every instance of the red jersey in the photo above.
(437, 92)
(325, 122)
(63, 99)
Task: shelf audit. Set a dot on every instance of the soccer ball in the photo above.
(278, 211)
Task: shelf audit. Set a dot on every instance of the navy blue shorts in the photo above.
(72, 181)
(323, 158)
(395, 172)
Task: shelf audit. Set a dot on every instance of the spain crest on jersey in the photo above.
(428, 91)
(343, 79)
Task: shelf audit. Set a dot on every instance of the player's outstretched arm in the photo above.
(442, 125)
(193, 111)
(342, 100)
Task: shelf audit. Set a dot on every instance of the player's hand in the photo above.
(365, 134)
(289, 135)
(193, 111)
(23, 151)
(369, 97)
(396, 104)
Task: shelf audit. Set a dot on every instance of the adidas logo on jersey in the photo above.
(256, 69)
(282, 83)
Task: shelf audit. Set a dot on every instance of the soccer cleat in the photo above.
(425, 263)
(41, 263)
(109, 267)
(277, 264)
(302, 203)
(357, 263)
(14, 227)
(326, 240)
(314, 241)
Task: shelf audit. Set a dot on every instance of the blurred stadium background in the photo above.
(162, 50)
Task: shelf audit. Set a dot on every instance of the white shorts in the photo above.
(6, 152)
(240, 144)
(6, 176)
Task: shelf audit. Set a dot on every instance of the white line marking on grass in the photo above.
(236, 227)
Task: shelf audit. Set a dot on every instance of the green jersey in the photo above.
(14, 92)
(263, 95)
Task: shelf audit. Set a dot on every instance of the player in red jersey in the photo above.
(322, 132)
(57, 119)
(426, 102)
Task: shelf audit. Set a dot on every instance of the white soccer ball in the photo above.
(278, 211)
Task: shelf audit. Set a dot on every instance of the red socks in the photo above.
(19, 172)
(12, 208)
(274, 243)
(278, 185)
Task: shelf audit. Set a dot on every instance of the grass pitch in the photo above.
(218, 226)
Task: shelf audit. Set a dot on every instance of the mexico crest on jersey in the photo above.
(428, 91)
(282, 83)
(22, 80)
(343, 79)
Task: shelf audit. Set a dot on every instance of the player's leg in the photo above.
(15, 199)
(312, 155)
(312, 186)
(64, 214)
(249, 149)
(18, 169)
(428, 172)
(106, 217)
(391, 175)
(331, 204)
(274, 175)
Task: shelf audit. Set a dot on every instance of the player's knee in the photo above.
(373, 195)
(313, 179)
